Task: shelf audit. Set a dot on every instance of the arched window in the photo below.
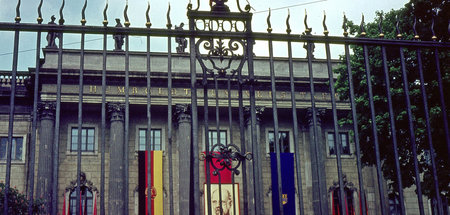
(87, 201)
(349, 201)
(88, 197)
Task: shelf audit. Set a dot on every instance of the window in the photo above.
(283, 140)
(87, 139)
(394, 204)
(345, 146)
(16, 151)
(155, 139)
(348, 198)
(87, 203)
(212, 136)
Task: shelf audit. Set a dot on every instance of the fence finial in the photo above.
(416, 35)
(169, 23)
(83, 16)
(307, 29)
(17, 19)
(125, 15)
(105, 17)
(61, 15)
(399, 35)
(380, 26)
(269, 26)
(147, 16)
(288, 30)
(325, 29)
(363, 31)
(432, 28)
(344, 26)
(39, 19)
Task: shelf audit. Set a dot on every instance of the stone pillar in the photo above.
(317, 152)
(116, 188)
(46, 112)
(249, 148)
(182, 116)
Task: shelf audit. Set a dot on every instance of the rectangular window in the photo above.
(155, 139)
(212, 136)
(16, 150)
(283, 141)
(87, 139)
(345, 146)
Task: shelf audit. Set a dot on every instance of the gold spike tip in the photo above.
(83, 21)
(307, 30)
(399, 36)
(416, 37)
(326, 32)
(39, 20)
(105, 22)
(381, 35)
(288, 31)
(345, 33)
(269, 30)
(127, 24)
(148, 24)
(434, 37)
(363, 34)
(17, 19)
(169, 25)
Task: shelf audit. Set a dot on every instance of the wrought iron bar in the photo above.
(54, 204)
(103, 113)
(374, 123)
(295, 123)
(337, 137)
(315, 140)
(355, 121)
(442, 100)
(242, 136)
(411, 131)
(216, 92)
(275, 120)
(35, 115)
(169, 111)
(80, 121)
(127, 110)
(194, 111)
(393, 130)
(206, 135)
(148, 110)
(11, 112)
(427, 124)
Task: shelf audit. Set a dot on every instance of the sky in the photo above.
(334, 10)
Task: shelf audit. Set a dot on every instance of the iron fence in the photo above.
(216, 36)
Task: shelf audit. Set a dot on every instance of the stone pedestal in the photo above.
(45, 162)
(183, 141)
(116, 188)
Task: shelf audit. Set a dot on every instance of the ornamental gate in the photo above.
(228, 115)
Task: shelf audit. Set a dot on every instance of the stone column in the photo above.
(46, 112)
(182, 116)
(317, 152)
(249, 148)
(116, 161)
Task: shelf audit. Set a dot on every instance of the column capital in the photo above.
(46, 110)
(182, 113)
(116, 111)
(258, 110)
(320, 112)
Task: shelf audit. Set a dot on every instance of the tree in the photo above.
(18, 203)
(424, 11)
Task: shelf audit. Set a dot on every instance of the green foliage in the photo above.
(423, 10)
(18, 203)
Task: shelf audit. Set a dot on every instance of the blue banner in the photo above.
(287, 183)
